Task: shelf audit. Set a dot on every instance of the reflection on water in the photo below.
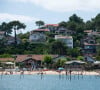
(49, 82)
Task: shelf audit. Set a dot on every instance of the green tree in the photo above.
(24, 35)
(94, 23)
(76, 24)
(71, 25)
(60, 63)
(58, 47)
(98, 53)
(6, 28)
(97, 22)
(63, 24)
(89, 25)
(80, 58)
(16, 25)
(76, 19)
(75, 52)
(68, 58)
(48, 60)
(39, 23)
(5, 56)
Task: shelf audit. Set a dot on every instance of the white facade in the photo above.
(68, 40)
(37, 37)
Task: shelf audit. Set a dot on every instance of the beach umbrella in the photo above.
(60, 68)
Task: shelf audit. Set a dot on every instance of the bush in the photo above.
(80, 58)
(68, 59)
(47, 61)
(60, 63)
(98, 58)
(5, 56)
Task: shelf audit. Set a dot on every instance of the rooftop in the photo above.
(87, 31)
(21, 58)
(6, 59)
(39, 30)
(75, 61)
(89, 44)
(64, 37)
(56, 25)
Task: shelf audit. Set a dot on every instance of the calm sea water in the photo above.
(49, 82)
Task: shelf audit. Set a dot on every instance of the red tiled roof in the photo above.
(45, 30)
(68, 37)
(21, 58)
(6, 59)
(89, 44)
(88, 31)
(56, 25)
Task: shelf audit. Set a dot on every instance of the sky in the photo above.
(49, 11)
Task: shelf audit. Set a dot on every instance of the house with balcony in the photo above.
(92, 33)
(52, 27)
(38, 35)
(56, 29)
(89, 45)
(68, 40)
(64, 31)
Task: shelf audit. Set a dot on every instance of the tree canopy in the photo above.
(39, 23)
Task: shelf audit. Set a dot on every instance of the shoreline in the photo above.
(50, 72)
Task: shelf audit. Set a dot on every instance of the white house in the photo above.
(68, 40)
(38, 35)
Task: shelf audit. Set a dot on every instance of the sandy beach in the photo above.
(50, 72)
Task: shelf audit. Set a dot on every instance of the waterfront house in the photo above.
(7, 63)
(75, 65)
(31, 61)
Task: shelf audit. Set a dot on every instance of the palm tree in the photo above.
(39, 23)
(16, 25)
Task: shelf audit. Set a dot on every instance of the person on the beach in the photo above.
(6, 73)
(66, 73)
(11, 72)
(70, 71)
(22, 72)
